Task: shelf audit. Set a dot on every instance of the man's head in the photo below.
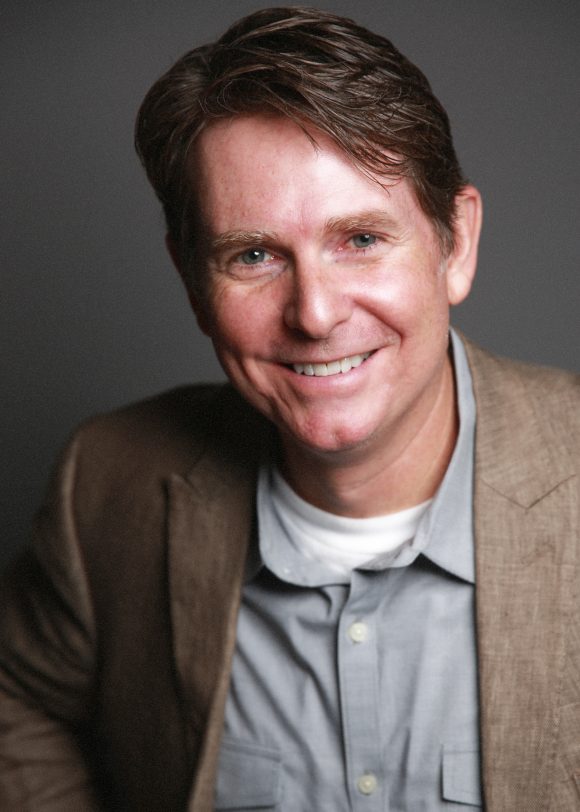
(325, 73)
(319, 218)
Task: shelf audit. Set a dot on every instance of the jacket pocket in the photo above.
(461, 776)
(249, 777)
(568, 765)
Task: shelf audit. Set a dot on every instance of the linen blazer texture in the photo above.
(117, 625)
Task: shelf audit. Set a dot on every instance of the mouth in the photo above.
(338, 367)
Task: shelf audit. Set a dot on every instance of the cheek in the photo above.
(408, 300)
(240, 325)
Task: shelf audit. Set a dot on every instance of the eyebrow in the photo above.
(361, 221)
(236, 239)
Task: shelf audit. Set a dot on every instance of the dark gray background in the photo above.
(93, 315)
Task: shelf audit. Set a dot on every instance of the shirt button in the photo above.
(367, 783)
(358, 632)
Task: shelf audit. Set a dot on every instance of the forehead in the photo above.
(267, 172)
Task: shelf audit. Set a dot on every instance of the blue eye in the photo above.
(254, 256)
(363, 240)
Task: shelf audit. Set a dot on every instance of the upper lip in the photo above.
(304, 360)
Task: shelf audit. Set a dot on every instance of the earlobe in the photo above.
(198, 309)
(203, 322)
(458, 287)
(462, 262)
(173, 253)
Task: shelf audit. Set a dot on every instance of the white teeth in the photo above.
(332, 368)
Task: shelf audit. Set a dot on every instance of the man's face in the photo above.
(327, 294)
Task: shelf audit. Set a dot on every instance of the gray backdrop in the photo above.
(92, 313)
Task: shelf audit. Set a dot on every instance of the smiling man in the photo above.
(346, 580)
(327, 301)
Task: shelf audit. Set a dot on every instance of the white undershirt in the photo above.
(340, 543)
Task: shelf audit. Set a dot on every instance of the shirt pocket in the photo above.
(248, 778)
(461, 775)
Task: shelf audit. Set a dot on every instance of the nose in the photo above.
(317, 301)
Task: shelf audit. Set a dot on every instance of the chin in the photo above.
(328, 440)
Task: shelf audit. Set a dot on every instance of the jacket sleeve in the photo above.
(47, 659)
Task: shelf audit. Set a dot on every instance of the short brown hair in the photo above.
(316, 69)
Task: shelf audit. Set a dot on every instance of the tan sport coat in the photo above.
(117, 628)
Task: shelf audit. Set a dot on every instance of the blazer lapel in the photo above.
(525, 524)
(210, 518)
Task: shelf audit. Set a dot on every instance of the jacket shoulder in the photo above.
(171, 430)
(528, 425)
(167, 429)
(553, 394)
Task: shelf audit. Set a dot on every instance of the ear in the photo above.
(462, 261)
(200, 312)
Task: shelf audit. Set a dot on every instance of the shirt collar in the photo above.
(446, 530)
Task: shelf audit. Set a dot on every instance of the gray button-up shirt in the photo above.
(361, 695)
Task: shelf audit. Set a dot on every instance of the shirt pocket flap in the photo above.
(461, 776)
(249, 776)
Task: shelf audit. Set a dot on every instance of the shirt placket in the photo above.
(359, 694)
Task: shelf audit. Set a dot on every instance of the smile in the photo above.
(332, 368)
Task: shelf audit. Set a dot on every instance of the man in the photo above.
(327, 593)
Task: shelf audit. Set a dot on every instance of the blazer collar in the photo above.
(526, 523)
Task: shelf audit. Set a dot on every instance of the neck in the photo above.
(388, 475)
